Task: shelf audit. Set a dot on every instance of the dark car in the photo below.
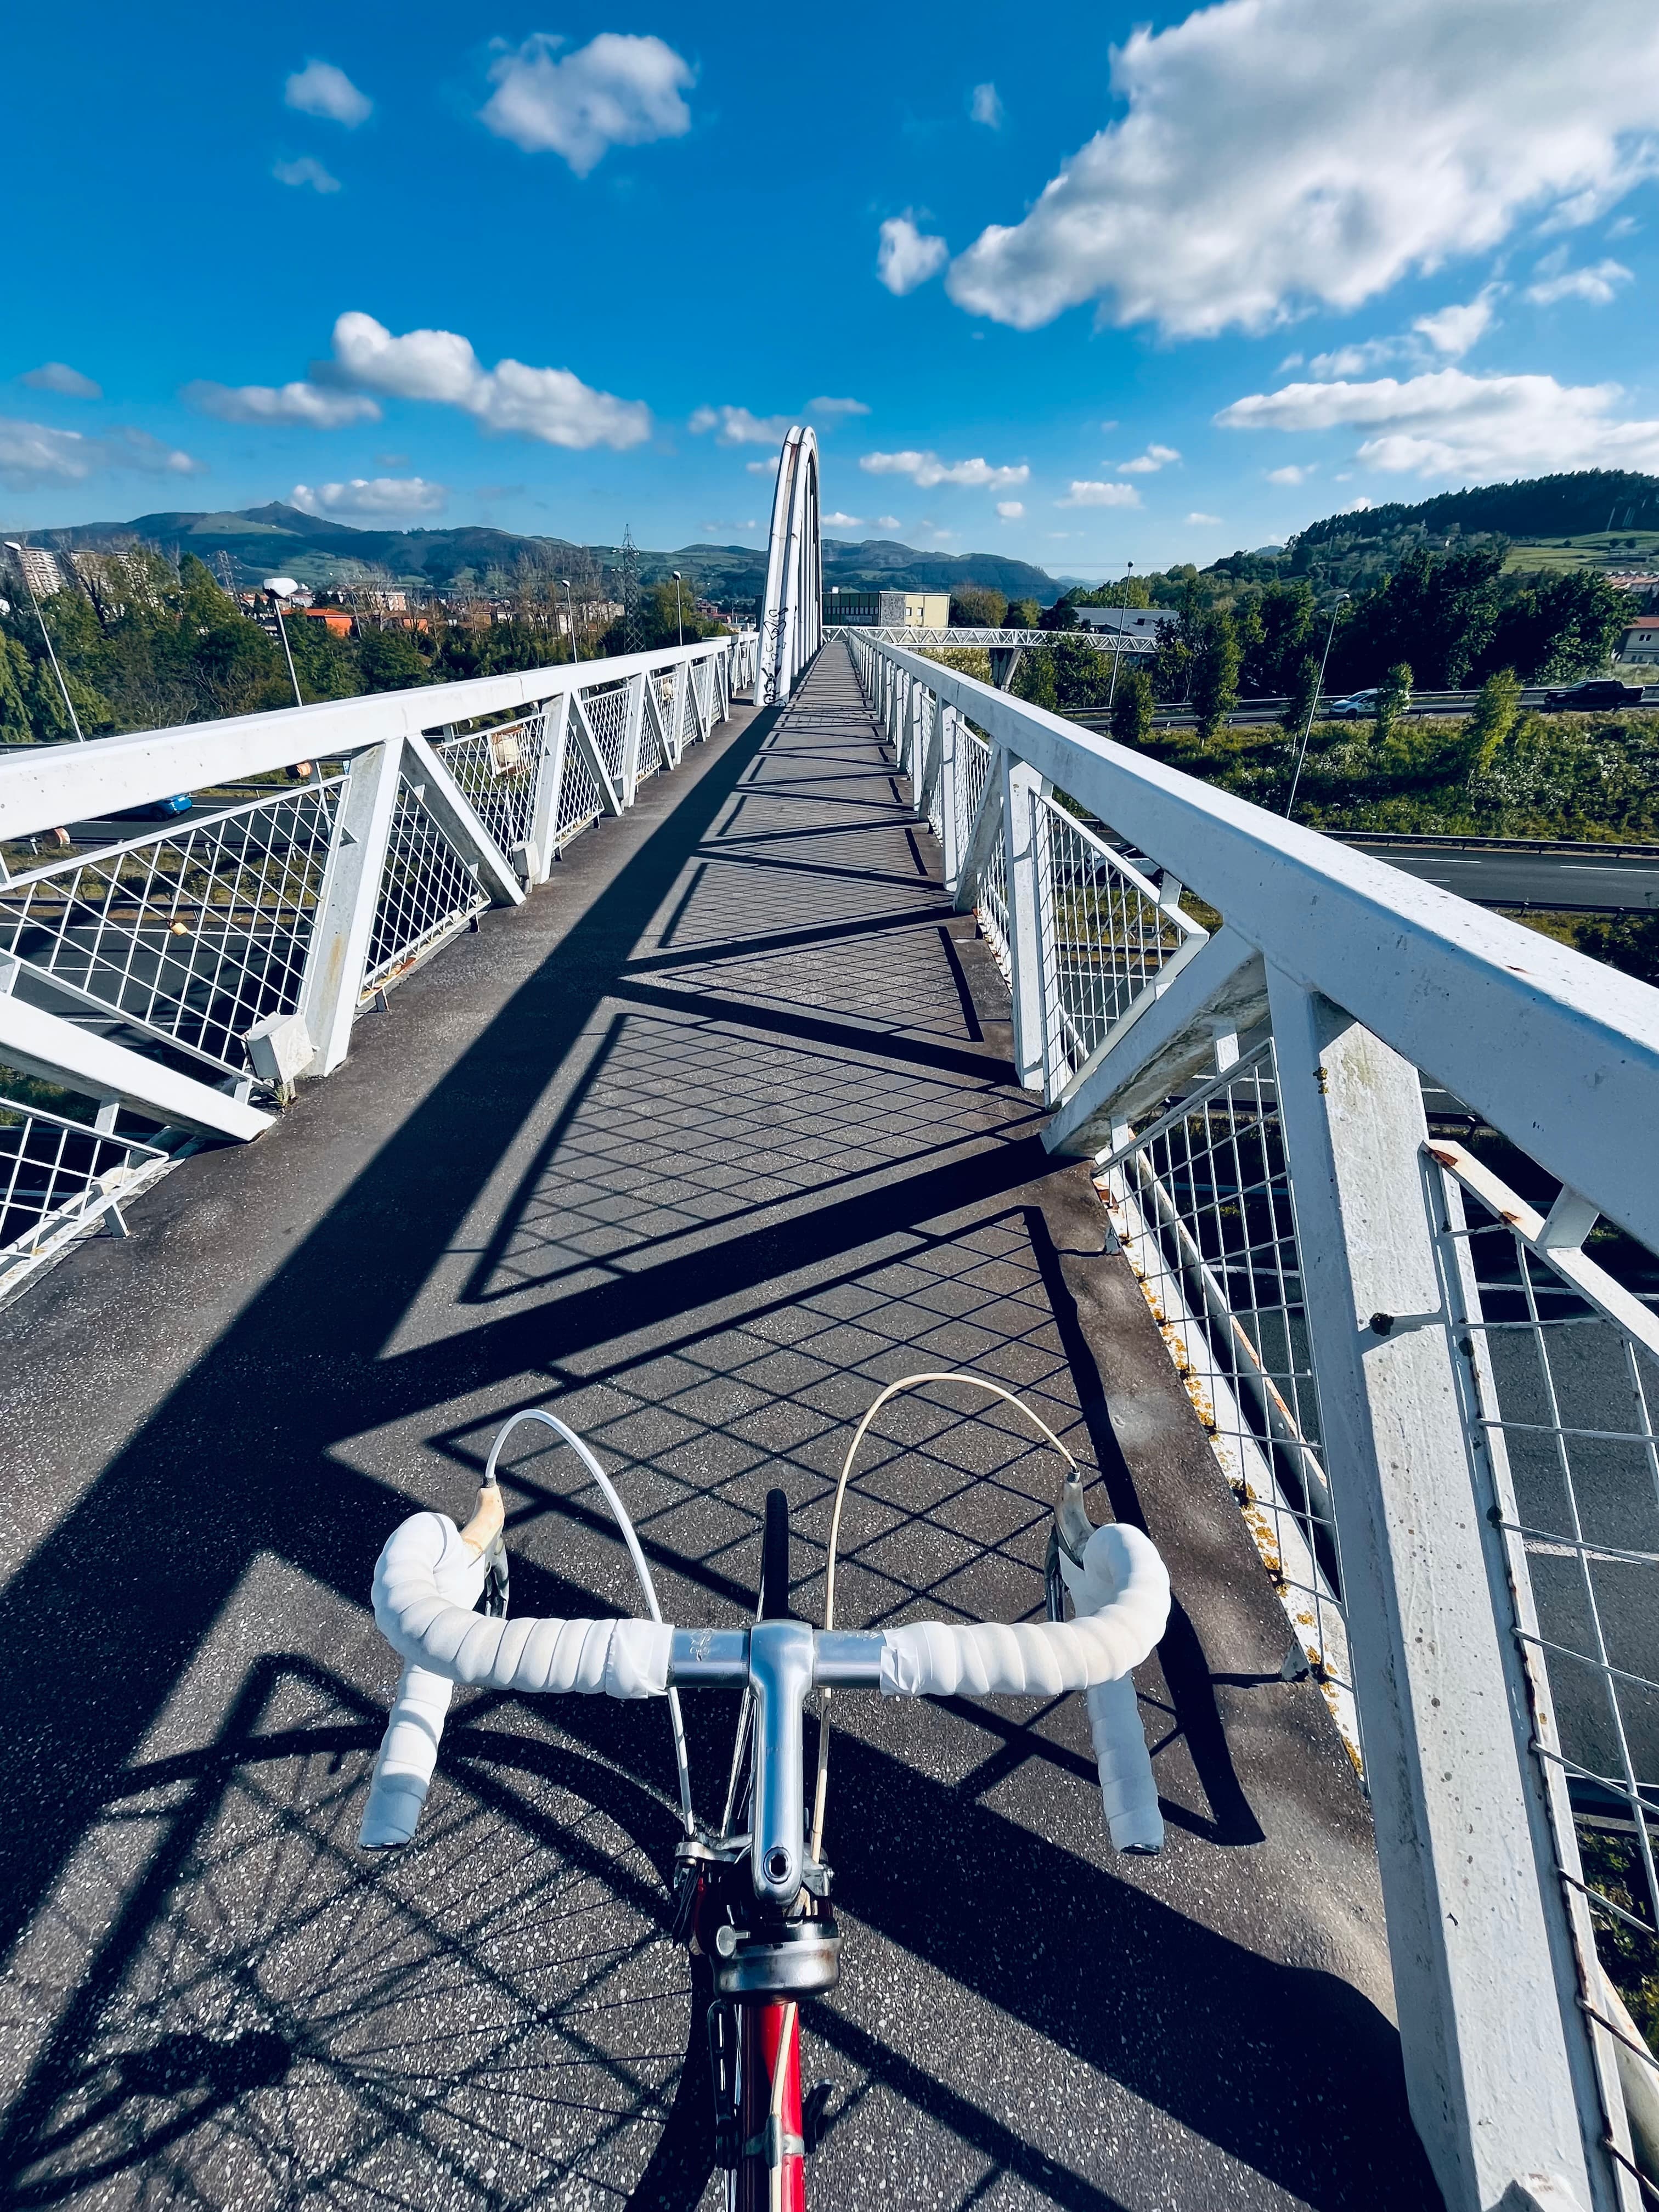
(1595, 691)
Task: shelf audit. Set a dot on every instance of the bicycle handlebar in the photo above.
(426, 1582)
(428, 1579)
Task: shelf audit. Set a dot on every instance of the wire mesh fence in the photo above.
(427, 892)
(192, 932)
(607, 717)
(1201, 1204)
(1104, 935)
(60, 1176)
(497, 770)
(1562, 1376)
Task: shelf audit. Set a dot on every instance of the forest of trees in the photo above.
(1451, 618)
(158, 646)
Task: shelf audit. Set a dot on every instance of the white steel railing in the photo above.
(187, 973)
(1438, 1412)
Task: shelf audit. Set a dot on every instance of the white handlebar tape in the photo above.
(1122, 1593)
(408, 1749)
(1127, 1792)
(623, 1658)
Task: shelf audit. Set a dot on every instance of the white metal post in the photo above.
(633, 725)
(348, 903)
(550, 781)
(949, 834)
(1488, 2070)
(1020, 787)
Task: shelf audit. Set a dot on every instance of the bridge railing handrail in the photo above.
(169, 971)
(1372, 1327)
(42, 786)
(1558, 1051)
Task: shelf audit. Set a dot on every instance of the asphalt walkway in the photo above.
(702, 1146)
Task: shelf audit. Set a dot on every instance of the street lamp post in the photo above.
(1117, 655)
(1339, 601)
(281, 588)
(679, 617)
(570, 617)
(12, 546)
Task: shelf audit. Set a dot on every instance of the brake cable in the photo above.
(892, 1390)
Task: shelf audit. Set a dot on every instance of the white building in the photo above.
(42, 570)
(1641, 639)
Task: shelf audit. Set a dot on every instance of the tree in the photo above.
(391, 661)
(1061, 615)
(1303, 696)
(1215, 674)
(1127, 592)
(1493, 718)
(1021, 613)
(1560, 628)
(977, 606)
(1393, 697)
(1131, 709)
(1034, 678)
(1083, 673)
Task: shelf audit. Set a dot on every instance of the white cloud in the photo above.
(1627, 227)
(371, 495)
(1196, 517)
(925, 469)
(57, 376)
(986, 108)
(1453, 330)
(1557, 281)
(617, 90)
(319, 407)
(1292, 473)
(1086, 493)
(1452, 425)
(1264, 165)
(737, 427)
(763, 468)
(1010, 510)
(1355, 360)
(1358, 506)
(1149, 462)
(839, 521)
(549, 403)
(303, 172)
(905, 258)
(887, 522)
(319, 89)
(32, 454)
(1112, 425)
(836, 407)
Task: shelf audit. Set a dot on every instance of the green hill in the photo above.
(261, 540)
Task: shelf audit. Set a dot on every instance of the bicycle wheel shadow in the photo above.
(496, 2015)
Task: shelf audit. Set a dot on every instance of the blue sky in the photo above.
(1097, 287)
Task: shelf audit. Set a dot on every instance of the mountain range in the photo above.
(261, 540)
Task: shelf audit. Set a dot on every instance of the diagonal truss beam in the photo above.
(1224, 988)
(451, 808)
(42, 1044)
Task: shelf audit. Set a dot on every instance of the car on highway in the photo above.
(1356, 706)
(1595, 691)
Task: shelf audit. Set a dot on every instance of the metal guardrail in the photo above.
(1436, 1409)
(185, 976)
(930, 640)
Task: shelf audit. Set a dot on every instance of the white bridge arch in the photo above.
(792, 619)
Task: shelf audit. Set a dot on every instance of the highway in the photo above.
(1511, 871)
(1426, 705)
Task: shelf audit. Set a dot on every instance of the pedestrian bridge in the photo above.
(694, 1042)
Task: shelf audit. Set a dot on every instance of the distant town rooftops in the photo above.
(1129, 619)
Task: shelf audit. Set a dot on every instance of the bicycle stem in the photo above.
(778, 1661)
